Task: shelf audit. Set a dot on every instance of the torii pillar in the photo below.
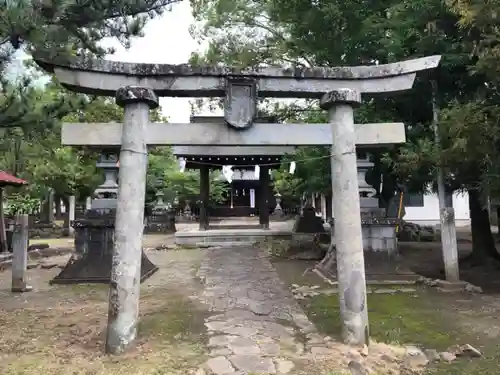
(126, 270)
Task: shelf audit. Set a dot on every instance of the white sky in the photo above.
(166, 40)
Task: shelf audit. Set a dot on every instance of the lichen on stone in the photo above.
(136, 94)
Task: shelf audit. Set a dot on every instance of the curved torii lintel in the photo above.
(104, 77)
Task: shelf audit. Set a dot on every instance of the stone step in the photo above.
(302, 294)
(5, 256)
(5, 260)
(373, 290)
(451, 286)
(224, 243)
(210, 237)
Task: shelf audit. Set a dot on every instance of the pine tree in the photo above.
(62, 28)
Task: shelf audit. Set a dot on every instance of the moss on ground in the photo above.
(420, 319)
(179, 319)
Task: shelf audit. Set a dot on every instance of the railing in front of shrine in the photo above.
(193, 214)
(236, 211)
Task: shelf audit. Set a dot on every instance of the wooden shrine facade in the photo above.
(247, 196)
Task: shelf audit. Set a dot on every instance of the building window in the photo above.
(413, 200)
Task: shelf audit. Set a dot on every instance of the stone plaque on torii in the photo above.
(136, 87)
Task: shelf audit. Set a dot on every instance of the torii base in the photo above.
(95, 269)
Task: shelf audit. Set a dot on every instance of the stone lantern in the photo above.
(278, 208)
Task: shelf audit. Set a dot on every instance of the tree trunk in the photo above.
(483, 244)
(57, 201)
(498, 220)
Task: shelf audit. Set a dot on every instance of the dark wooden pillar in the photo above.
(498, 218)
(329, 206)
(264, 197)
(204, 196)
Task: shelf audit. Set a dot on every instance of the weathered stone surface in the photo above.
(220, 366)
(321, 352)
(432, 355)
(253, 305)
(269, 349)
(357, 368)
(284, 366)
(217, 352)
(240, 105)
(240, 331)
(470, 288)
(94, 77)
(243, 345)
(346, 96)
(219, 341)
(447, 356)
(136, 94)
(465, 351)
(388, 358)
(253, 363)
(315, 339)
(221, 136)
(260, 308)
(159, 70)
(415, 358)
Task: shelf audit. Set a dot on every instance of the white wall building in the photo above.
(427, 212)
(421, 209)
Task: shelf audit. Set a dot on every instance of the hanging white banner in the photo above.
(227, 172)
(182, 164)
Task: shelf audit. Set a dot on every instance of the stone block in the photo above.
(94, 243)
(308, 222)
(450, 286)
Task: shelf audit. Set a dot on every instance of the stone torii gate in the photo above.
(136, 87)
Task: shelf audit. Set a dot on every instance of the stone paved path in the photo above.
(256, 326)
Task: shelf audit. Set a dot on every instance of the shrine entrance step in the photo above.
(227, 237)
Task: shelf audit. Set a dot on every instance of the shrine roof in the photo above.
(232, 151)
(243, 161)
(6, 179)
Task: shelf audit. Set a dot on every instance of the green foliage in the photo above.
(480, 19)
(21, 204)
(362, 32)
(30, 116)
(64, 170)
(164, 173)
(61, 27)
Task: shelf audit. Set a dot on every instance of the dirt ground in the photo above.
(61, 329)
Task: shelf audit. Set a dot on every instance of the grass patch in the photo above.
(69, 337)
(394, 318)
(187, 247)
(53, 242)
(177, 320)
(423, 319)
